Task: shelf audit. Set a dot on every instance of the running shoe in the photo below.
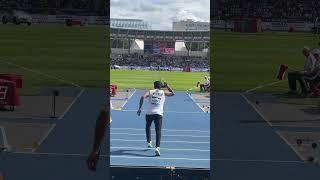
(158, 151)
(150, 144)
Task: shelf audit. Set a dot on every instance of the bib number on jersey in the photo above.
(156, 98)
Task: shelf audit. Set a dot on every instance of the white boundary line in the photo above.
(160, 158)
(262, 86)
(139, 148)
(264, 118)
(127, 99)
(44, 137)
(131, 110)
(54, 125)
(5, 139)
(41, 73)
(129, 134)
(260, 160)
(177, 130)
(71, 104)
(186, 142)
(56, 154)
(195, 102)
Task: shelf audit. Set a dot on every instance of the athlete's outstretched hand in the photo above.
(139, 112)
(92, 160)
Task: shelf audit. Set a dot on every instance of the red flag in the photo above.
(281, 71)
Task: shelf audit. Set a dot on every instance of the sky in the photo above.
(161, 13)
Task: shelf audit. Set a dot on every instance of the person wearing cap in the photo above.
(155, 111)
(294, 76)
(315, 78)
(204, 86)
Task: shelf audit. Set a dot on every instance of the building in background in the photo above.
(190, 25)
(130, 24)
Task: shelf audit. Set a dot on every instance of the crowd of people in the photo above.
(80, 7)
(268, 10)
(158, 60)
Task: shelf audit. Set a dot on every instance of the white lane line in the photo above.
(41, 73)
(195, 102)
(269, 123)
(185, 142)
(262, 86)
(159, 158)
(44, 137)
(128, 99)
(4, 138)
(260, 160)
(56, 154)
(178, 112)
(178, 135)
(70, 105)
(173, 130)
(168, 149)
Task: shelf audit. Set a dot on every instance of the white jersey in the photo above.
(156, 101)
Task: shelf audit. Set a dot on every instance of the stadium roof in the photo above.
(117, 33)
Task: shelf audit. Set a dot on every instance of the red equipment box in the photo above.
(13, 77)
(9, 94)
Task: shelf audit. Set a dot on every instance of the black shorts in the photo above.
(153, 117)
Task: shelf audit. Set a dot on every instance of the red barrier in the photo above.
(9, 94)
(281, 71)
(13, 77)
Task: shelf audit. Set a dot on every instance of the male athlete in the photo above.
(155, 111)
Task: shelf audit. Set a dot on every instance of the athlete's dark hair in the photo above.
(157, 85)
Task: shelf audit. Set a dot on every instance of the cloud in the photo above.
(161, 13)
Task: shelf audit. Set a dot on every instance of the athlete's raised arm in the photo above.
(145, 95)
(170, 92)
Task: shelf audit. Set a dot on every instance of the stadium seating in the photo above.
(80, 7)
(268, 10)
(158, 60)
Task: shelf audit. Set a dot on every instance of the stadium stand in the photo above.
(79, 7)
(267, 10)
(158, 60)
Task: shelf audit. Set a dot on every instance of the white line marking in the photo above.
(128, 99)
(71, 104)
(196, 103)
(269, 123)
(5, 139)
(186, 142)
(262, 86)
(160, 158)
(44, 137)
(41, 73)
(132, 110)
(260, 160)
(139, 148)
(54, 125)
(173, 130)
(28, 124)
(178, 135)
(56, 154)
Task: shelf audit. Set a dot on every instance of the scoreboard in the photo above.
(159, 47)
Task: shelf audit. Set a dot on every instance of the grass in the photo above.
(243, 61)
(74, 54)
(140, 79)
